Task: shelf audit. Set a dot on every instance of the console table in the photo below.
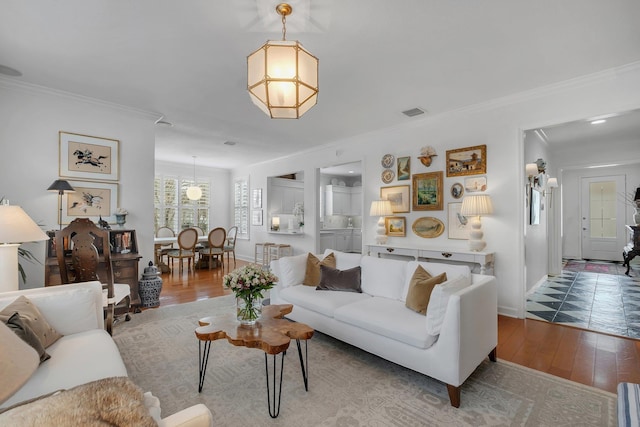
(483, 259)
(633, 248)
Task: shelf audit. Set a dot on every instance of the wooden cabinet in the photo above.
(124, 261)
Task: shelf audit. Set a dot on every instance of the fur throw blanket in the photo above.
(113, 401)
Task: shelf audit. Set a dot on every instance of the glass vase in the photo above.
(248, 310)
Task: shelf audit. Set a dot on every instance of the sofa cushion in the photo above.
(93, 350)
(312, 273)
(291, 270)
(420, 288)
(18, 361)
(439, 300)
(435, 268)
(383, 277)
(32, 317)
(389, 318)
(26, 334)
(344, 260)
(332, 279)
(323, 302)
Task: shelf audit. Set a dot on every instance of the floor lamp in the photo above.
(60, 185)
(16, 227)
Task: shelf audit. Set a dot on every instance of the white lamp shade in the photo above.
(380, 208)
(476, 205)
(17, 227)
(531, 169)
(552, 183)
(194, 193)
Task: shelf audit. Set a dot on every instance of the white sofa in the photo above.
(377, 320)
(86, 352)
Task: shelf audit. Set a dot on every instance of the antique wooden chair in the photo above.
(187, 240)
(216, 240)
(87, 257)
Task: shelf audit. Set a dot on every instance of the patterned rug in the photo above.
(595, 267)
(347, 386)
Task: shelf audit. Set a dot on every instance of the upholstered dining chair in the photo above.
(187, 240)
(88, 258)
(163, 250)
(230, 247)
(215, 249)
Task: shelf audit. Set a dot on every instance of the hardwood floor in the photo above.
(587, 357)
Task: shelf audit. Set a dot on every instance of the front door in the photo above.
(603, 217)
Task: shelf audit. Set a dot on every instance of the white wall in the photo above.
(219, 179)
(499, 125)
(30, 119)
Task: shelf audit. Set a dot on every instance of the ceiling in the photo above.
(186, 60)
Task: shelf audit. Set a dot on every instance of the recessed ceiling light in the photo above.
(597, 122)
(8, 71)
(229, 143)
(351, 171)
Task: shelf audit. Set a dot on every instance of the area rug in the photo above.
(602, 267)
(347, 386)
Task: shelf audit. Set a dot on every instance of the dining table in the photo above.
(159, 242)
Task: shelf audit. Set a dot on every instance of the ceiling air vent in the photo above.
(413, 112)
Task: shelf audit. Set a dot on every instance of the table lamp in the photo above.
(15, 228)
(60, 185)
(381, 208)
(476, 205)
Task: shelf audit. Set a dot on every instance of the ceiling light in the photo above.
(282, 76)
(597, 122)
(194, 192)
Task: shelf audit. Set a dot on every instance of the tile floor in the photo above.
(590, 299)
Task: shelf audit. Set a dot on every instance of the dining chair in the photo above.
(216, 241)
(88, 258)
(187, 240)
(230, 247)
(163, 250)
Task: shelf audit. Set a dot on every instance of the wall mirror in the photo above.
(285, 198)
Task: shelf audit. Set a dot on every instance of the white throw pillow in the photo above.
(439, 300)
(291, 270)
(383, 277)
(344, 260)
(435, 269)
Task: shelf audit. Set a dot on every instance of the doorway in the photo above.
(602, 215)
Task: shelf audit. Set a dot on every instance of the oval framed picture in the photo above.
(457, 190)
(428, 227)
(387, 176)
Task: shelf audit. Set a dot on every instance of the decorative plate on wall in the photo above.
(428, 227)
(457, 190)
(387, 176)
(387, 161)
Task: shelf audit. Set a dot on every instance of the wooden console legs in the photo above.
(454, 392)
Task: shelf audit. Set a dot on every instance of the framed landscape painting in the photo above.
(404, 168)
(88, 157)
(427, 191)
(396, 226)
(467, 161)
(398, 196)
(90, 200)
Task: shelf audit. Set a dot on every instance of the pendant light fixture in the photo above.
(282, 76)
(194, 192)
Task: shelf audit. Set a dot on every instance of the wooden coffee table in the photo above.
(271, 334)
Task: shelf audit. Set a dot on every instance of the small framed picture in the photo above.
(457, 190)
(427, 191)
(88, 157)
(467, 161)
(398, 196)
(458, 224)
(396, 226)
(90, 199)
(404, 168)
(256, 198)
(475, 184)
(256, 217)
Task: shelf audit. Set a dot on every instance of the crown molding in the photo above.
(13, 84)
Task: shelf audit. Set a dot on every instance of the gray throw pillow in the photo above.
(21, 329)
(332, 279)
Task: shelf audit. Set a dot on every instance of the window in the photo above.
(172, 207)
(241, 207)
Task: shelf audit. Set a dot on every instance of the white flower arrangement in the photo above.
(122, 211)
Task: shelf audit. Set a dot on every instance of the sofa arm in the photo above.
(195, 416)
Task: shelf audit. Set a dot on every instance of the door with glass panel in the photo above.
(603, 217)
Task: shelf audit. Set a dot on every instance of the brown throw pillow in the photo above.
(312, 275)
(31, 316)
(332, 279)
(15, 323)
(420, 288)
